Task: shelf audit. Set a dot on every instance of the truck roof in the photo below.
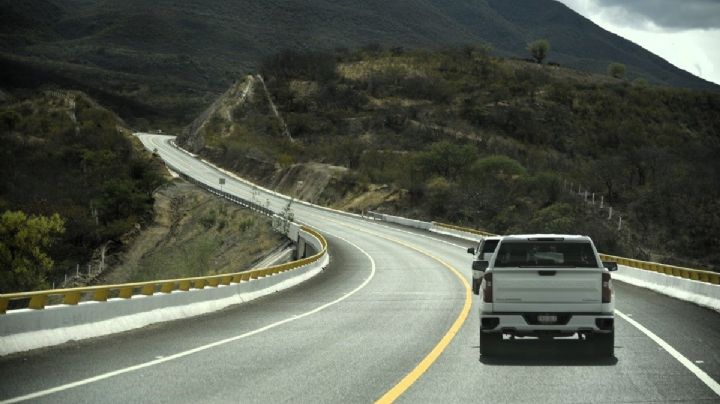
(548, 237)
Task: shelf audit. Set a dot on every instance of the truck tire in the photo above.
(476, 286)
(490, 343)
(604, 344)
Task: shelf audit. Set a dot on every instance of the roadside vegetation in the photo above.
(73, 178)
(468, 138)
(194, 233)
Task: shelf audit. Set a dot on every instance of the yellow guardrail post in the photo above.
(101, 295)
(37, 302)
(72, 298)
(4, 302)
(148, 290)
(125, 292)
(184, 285)
(167, 287)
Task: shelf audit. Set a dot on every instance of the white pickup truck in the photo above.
(483, 252)
(545, 286)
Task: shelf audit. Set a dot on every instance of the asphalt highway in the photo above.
(391, 317)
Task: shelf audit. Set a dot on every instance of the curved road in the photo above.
(389, 318)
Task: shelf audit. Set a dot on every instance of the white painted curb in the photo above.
(23, 330)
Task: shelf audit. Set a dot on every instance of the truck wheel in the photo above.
(604, 344)
(490, 343)
(476, 286)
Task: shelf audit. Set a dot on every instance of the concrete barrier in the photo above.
(417, 224)
(465, 235)
(25, 329)
(701, 293)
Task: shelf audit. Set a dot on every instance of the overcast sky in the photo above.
(684, 32)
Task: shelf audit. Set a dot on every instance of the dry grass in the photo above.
(194, 234)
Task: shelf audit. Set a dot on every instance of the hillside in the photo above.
(63, 153)
(193, 233)
(160, 62)
(472, 139)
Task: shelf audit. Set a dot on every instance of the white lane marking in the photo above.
(704, 377)
(202, 347)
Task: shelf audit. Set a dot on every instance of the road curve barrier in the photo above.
(672, 270)
(444, 228)
(60, 315)
(56, 316)
(418, 224)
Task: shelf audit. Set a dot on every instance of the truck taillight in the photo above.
(606, 287)
(487, 290)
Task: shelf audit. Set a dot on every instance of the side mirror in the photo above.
(471, 250)
(480, 265)
(610, 265)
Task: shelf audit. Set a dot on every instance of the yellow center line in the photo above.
(422, 367)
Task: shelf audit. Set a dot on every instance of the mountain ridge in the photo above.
(196, 48)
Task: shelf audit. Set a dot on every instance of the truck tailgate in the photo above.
(547, 290)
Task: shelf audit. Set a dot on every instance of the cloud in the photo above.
(668, 15)
(692, 45)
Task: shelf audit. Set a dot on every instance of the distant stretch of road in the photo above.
(391, 317)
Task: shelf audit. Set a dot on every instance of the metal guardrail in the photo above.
(682, 272)
(463, 229)
(101, 293)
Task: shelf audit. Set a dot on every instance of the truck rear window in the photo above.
(545, 254)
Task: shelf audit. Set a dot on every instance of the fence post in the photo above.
(602, 200)
(610, 213)
(619, 223)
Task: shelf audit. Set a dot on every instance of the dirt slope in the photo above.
(193, 234)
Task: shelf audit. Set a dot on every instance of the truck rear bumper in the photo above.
(529, 323)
